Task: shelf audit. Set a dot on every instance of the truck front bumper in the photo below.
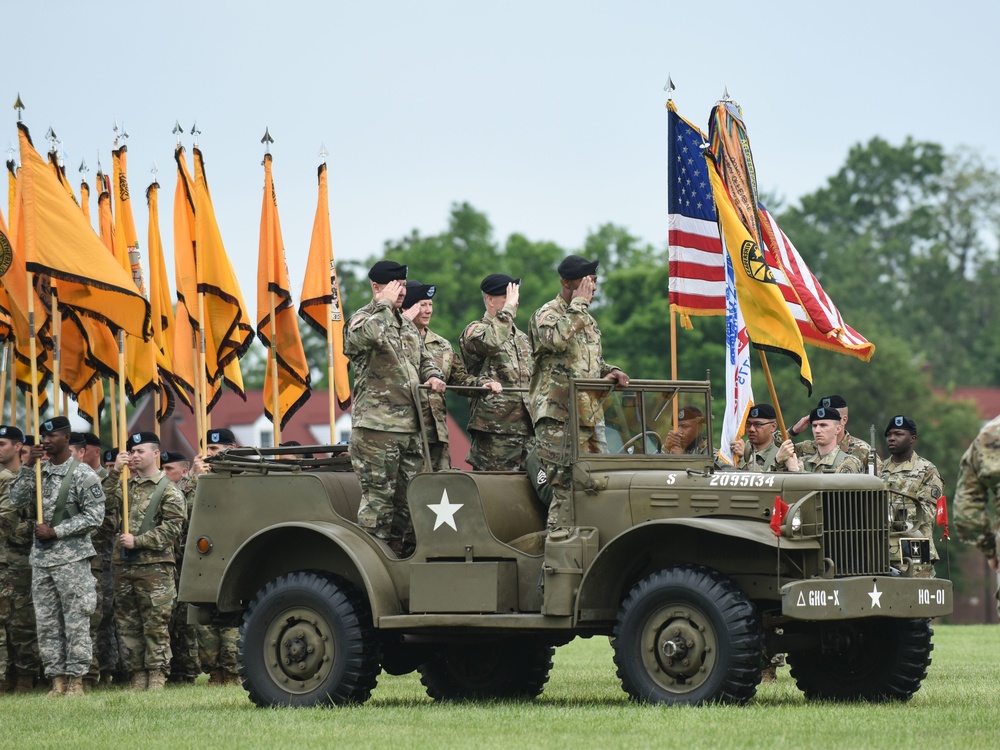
(867, 596)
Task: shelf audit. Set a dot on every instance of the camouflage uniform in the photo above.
(834, 462)
(918, 479)
(499, 424)
(435, 410)
(566, 344)
(185, 664)
(755, 461)
(63, 589)
(22, 639)
(8, 520)
(144, 580)
(978, 474)
(850, 445)
(389, 358)
(101, 632)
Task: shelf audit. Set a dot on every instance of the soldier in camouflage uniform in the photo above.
(829, 458)
(63, 588)
(22, 639)
(689, 437)
(11, 439)
(500, 425)
(185, 665)
(217, 645)
(145, 590)
(978, 477)
(915, 479)
(566, 344)
(389, 360)
(758, 451)
(848, 443)
(418, 307)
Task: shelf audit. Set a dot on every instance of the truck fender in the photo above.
(316, 545)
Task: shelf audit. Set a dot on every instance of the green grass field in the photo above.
(582, 706)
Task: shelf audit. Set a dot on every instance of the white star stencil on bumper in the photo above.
(876, 596)
(444, 512)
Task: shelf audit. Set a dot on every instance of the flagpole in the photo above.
(669, 88)
(275, 395)
(122, 427)
(34, 392)
(331, 383)
(113, 404)
(97, 409)
(3, 380)
(56, 348)
(774, 395)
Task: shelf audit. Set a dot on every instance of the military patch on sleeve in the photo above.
(356, 321)
(96, 491)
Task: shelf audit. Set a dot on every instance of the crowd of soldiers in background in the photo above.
(520, 421)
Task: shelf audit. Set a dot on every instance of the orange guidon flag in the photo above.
(280, 335)
(225, 311)
(85, 199)
(159, 300)
(11, 188)
(58, 241)
(320, 301)
(124, 224)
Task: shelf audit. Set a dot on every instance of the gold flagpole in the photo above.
(774, 395)
(3, 381)
(331, 384)
(34, 392)
(122, 427)
(273, 357)
(56, 349)
(673, 358)
(97, 409)
(113, 404)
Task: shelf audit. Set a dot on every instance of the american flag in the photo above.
(697, 266)
(697, 263)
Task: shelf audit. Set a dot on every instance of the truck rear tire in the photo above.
(875, 659)
(688, 635)
(306, 640)
(514, 669)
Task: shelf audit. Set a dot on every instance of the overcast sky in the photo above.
(548, 116)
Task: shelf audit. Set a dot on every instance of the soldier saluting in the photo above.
(62, 586)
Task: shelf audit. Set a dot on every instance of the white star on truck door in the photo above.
(445, 512)
(876, 596)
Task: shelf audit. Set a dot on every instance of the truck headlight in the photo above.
(796, 522)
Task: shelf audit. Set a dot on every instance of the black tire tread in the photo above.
(523, 666)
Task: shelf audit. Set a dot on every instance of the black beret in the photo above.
(289, 444)
(54, 425)
(762, 411)
(837, 402)
(824, 412)
(76, 438)
(387, 270)
(11, 433)
(29, 440)
(899, 422)
(576, 267)
(139, 438)
(416, 292)
(496, 283)
(91, 439)
(109, 455)
(688, 413)
(171, 457)
(222, 436)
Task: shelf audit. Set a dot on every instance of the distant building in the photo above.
(310, 425)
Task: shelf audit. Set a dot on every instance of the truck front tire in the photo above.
(688, 635)
(306, 640)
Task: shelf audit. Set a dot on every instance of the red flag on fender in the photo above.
(778, 514)
(942, 514)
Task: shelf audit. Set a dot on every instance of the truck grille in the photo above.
(856, 531)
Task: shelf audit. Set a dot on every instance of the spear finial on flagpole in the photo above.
(61, 157)
(53, 139)
(124, 131)
(10, 151)
(323, 153)
(100, 172)
(267, 140)
(83, 168)
(115, 129)
(19, 106)
(725, 94)
(154, 170)
(178, 131)
(669, 86)
(195, 132)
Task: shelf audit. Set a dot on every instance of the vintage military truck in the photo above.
(672, 558)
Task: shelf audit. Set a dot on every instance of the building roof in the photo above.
(987, 400)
